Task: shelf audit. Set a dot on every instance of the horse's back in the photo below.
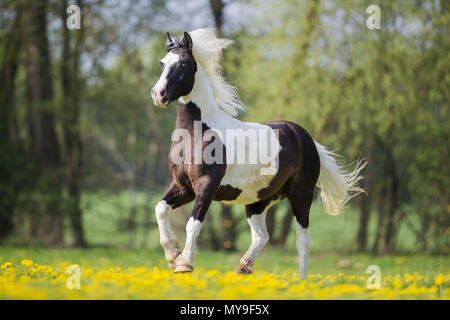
(294, 138)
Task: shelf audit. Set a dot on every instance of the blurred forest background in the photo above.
(83, 150)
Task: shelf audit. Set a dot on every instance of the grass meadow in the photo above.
(108, 270)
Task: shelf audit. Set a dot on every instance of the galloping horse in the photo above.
(191, 73)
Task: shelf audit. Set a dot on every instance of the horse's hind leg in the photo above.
(175, 197)
(256, 217)
(301, 196)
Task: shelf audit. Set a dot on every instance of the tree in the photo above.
(46, 220)
(71, 92)
(12, 169)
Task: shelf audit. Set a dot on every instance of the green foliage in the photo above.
(378, 94)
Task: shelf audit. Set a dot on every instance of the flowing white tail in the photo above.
(338, 186)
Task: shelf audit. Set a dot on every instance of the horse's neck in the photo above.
(187, 114)
(208, 110)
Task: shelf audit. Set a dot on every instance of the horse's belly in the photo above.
(248, 179)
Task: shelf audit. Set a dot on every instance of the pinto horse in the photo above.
(191, 74)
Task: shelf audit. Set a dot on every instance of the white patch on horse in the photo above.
(260, 237)
(167, 238)
(168, 61)
(303, 247)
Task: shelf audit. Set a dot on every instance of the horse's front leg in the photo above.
(174, 198)
(205, 191)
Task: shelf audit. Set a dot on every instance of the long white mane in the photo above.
(207, 50)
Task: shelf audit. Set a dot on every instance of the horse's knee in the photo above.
(165, 243)
(193, 227)
(161, 209)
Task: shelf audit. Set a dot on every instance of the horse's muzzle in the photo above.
(159, 97)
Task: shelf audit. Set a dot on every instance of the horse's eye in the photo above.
(185, 65)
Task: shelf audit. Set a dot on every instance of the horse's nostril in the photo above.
(162, 92)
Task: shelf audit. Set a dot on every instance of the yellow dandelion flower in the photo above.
(397, 283)
(27, 262)
(6, 265)
(439, 279)
(409, 277)
(212, 273)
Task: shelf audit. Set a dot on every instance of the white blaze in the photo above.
(168, 61)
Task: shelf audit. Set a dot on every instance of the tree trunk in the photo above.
(71, 87)
(363, 224)
(132, 176)
(8, 72)
(300, 55)
(132, 212)
(380, 222)
(48, 222)
(285, 228)
(146, 222)
(389, 234)
(217, 7)
(424, 227)
(228, 229)
(365, 206)
(209, 238)
(435, 233)
(8, 164)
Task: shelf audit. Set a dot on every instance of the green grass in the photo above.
(271, 260)
(333, 244)
(114, 275)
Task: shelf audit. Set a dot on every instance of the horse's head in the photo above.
(178, 71)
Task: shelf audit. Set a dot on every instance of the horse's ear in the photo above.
(187, 41)
(169, 42)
